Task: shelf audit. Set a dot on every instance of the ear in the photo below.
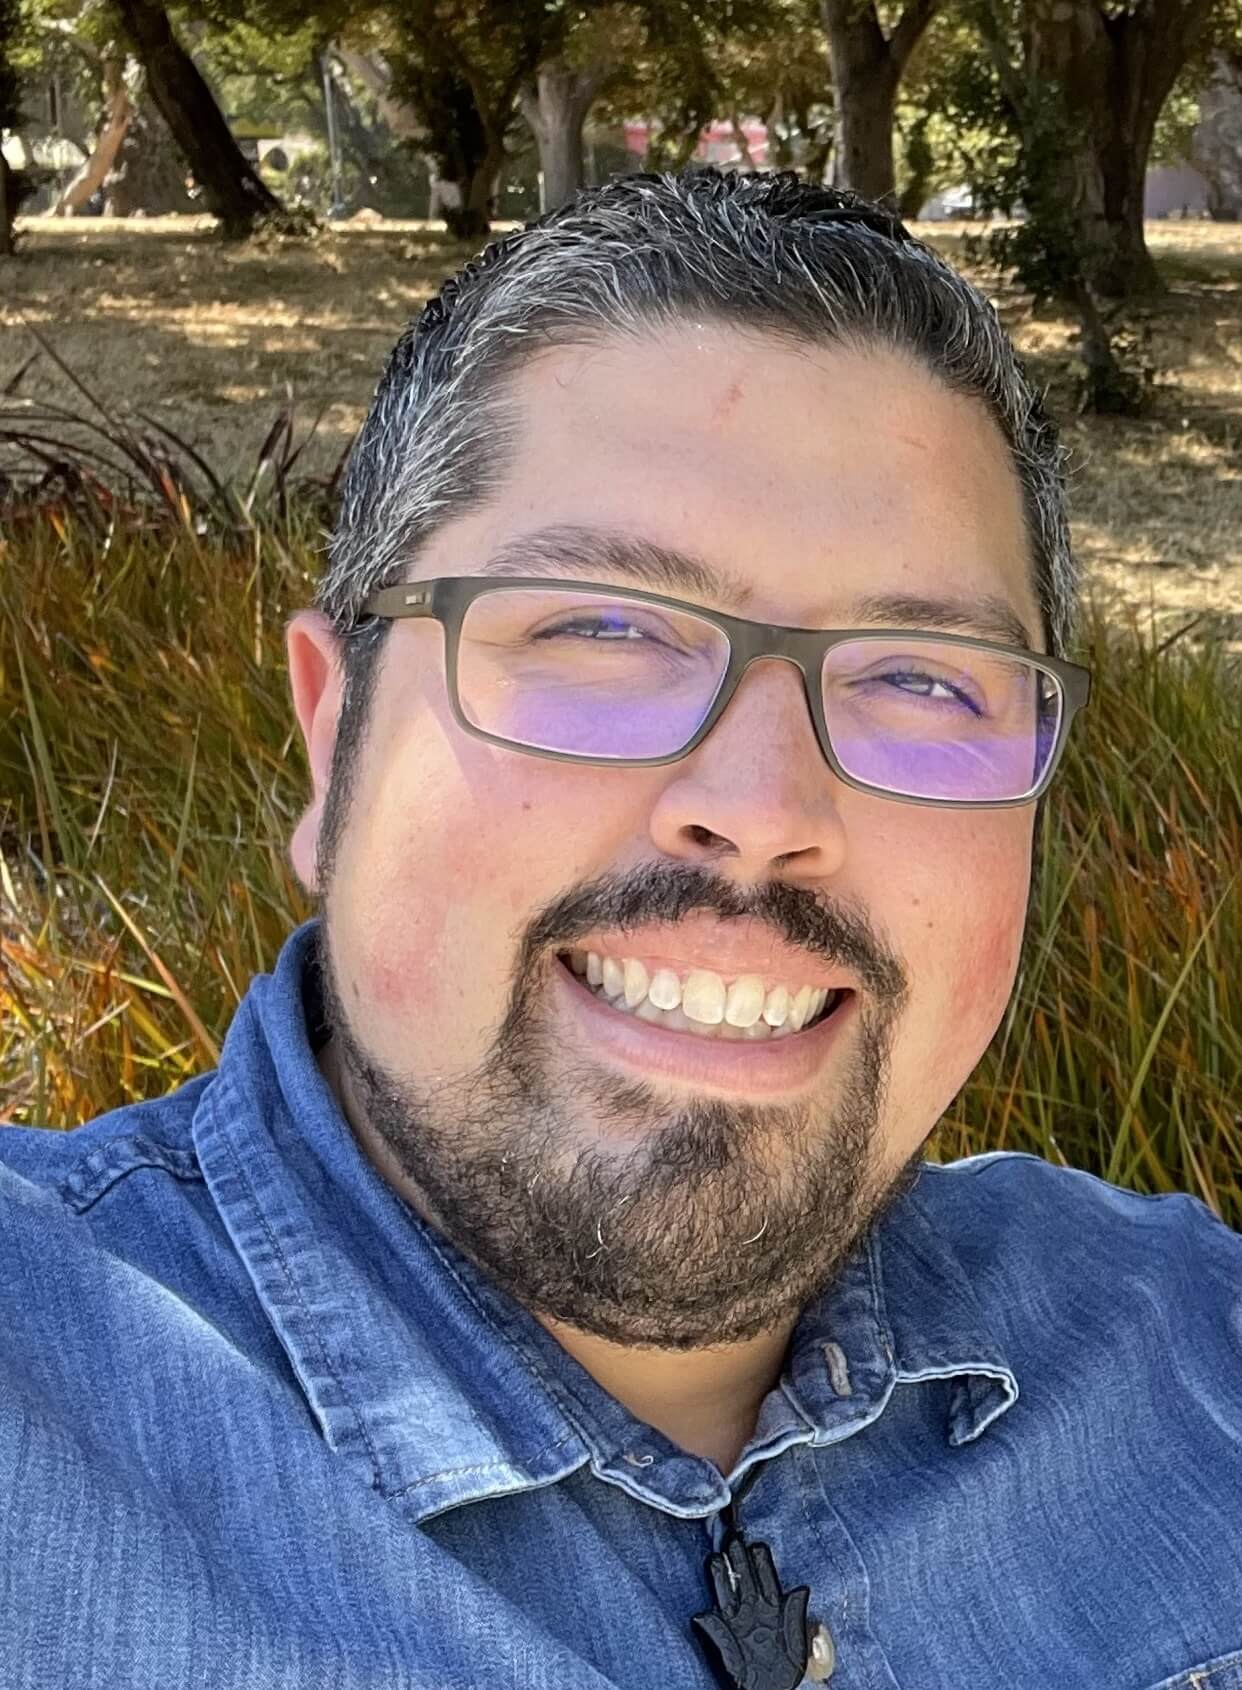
(316, 682)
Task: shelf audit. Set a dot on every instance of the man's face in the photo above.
(647, 1185)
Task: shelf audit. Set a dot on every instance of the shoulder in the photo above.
(112, 1253)
(45, 1167)
(1010, 1214)
(1012, 1186)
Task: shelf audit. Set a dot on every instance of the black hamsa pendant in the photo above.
(756, 1636)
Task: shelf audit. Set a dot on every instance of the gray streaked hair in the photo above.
(768, 253)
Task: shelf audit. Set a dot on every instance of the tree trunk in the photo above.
(232, 190)
(1072, 61)
(1216, 149)
(1110, 76)
(464, 135)
(555, 107)
(1125, 268)
(920, 163)
(148, 178)
(745, 157)
(867, 68)
(118, 111)
(864, 84)
(472, 219)
(376, 78)
(6, 216)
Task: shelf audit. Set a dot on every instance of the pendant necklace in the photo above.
(756, 1635)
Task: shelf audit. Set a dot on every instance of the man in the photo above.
(688, 671)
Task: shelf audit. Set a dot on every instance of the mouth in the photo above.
(744, 1010)
(711, 1055)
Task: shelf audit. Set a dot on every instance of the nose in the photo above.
(757, 790)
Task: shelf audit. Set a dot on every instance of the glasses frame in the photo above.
(446, 599)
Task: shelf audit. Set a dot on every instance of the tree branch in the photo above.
(909, 29)
(1007, 73)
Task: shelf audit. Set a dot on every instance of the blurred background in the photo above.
(216, 219)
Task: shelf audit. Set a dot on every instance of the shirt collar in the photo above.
(440, 1386)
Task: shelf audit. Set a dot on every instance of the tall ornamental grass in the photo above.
(151, 775)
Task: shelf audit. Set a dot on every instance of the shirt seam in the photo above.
(533, 1363)
(466, 1472)
(101, 1170)
(346, 1395)
(307, 1315)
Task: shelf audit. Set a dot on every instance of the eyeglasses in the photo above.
(584, 672)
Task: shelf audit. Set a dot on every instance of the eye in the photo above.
(595, 627)
(926, 682)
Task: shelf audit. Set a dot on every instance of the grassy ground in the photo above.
(210, 339)
(150, 774)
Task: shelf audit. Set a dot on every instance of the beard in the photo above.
(606, 1203)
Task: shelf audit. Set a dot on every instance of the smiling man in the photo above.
(548, 1289)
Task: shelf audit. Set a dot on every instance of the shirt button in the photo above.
(822, 1655)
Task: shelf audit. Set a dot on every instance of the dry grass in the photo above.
(210, 339)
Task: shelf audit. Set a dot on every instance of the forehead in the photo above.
(803, 478)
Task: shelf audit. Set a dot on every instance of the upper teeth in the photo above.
(700, 994)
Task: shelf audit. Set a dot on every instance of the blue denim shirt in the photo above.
(263, 1429)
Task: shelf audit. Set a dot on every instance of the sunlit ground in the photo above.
(159, 317)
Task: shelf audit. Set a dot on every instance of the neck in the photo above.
(705, 1401)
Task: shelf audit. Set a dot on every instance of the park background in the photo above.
(216, 220)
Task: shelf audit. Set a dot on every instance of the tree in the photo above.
(773, 65)
(9, 23)
(555, 106)
(661, 57)
(148, 173)
(464, 67)
(458, 66)
(867, 67)
(232, 189)
(1216, 142)
(118, 111)
(1084, 82)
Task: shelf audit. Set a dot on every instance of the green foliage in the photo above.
(771, 62)
(267, 84)
(397, 188)
(697, 61)
(947, 104)
(1175, 126)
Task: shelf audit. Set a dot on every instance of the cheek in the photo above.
(437, 939)
(965, 904)
(448, 857)
(964, 945)
(984, 968)
(962, 911)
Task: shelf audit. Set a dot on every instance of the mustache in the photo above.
(835, 933)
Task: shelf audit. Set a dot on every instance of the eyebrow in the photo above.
(587, 553)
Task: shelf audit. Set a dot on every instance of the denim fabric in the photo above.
(262, 1429)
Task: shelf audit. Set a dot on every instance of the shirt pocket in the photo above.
(1224, 1673)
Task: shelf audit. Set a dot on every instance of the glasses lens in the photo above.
(604, 676)
(587, 672)
(928, 719)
